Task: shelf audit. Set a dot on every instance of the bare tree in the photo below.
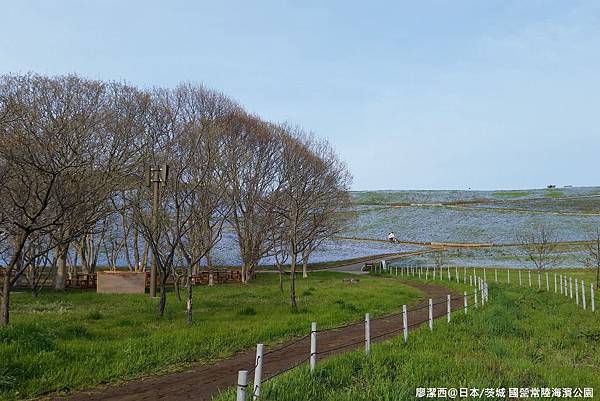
(41, 265)
(324, 217)
(591, 258)
(439, 259)
(88, 247)
(70, 162)
(207, 115)
(186, 136)
(539, 246)
(253, 154)
(279, 247)
(61, 163)
(309, 192)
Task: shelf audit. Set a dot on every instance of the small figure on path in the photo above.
(392, 237)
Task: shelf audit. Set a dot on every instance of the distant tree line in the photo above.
(74, 159)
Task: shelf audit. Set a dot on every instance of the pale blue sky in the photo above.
(413, 95)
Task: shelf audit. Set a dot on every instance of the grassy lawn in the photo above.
(510, 194)
(522, 338)
(65, 341)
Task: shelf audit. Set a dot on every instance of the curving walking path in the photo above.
(203, 382)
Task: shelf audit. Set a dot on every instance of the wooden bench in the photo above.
(218, 277)
(81, 280)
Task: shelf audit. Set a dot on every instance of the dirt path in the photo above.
(206, 381)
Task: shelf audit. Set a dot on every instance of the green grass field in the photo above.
(65, 341)
(522, 338)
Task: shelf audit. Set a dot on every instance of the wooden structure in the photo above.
(121, 282)
(218, 277)
(81, 280)
(367, 267)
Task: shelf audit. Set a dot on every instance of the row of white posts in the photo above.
(566, 283)
(242, 383)
(420, 271)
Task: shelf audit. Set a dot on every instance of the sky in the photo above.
(412, 95)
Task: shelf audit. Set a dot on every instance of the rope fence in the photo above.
(575, 289)
(242, 384)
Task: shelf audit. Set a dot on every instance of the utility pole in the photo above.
(154, 177)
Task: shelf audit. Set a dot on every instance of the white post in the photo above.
(592, 299)
(457, 276)
(547, 283)
(539, 280)
(485, 292)
(520, 281)
(470, 280)
(576, 293)
(449, 308)
(583, 293)
(508, 276)
(555, 289)
(426, 272)
(465, 276)
(258, 371)
(419, 274)
(482, 292)
(313, 346)
(449, 276)
(475, 297)
(405, 323)
(367, 334)
(430, 314)
(496, 275)
(242, 384)
(561, 285)
(567, 287)
(383, 266)
(571, 286)
(529, 274)
(466, 302)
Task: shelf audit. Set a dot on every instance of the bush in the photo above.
(247, 311)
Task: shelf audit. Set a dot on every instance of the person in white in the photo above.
(392, 237)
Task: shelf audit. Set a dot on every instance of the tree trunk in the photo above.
(163, 295)
(190, 317)
(145, 256)
(209, 261)
(6, 287)
(305, 266)
(246, 272)
(136, 250)
(61, 267)
(280, 277)
(209, 267)
(176, 287)
(4, 306)
(293, 281)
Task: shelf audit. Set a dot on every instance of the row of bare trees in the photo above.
(541, 247)
(73, 156)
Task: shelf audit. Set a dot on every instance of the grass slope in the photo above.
(522, 338)
(65, 341)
